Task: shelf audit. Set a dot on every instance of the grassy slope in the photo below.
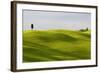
(53, 45)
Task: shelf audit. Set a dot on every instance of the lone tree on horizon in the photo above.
(87, 29)
(32, 26)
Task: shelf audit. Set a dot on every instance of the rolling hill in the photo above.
(55, 45)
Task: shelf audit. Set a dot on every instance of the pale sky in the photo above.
(44, 20)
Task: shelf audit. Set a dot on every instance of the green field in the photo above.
(55, 45)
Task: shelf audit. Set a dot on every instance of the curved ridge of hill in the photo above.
(55, 45)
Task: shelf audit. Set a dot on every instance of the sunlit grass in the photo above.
(55, 45)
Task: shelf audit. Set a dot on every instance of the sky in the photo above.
(46, 20)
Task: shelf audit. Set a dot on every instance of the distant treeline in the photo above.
(84, 29)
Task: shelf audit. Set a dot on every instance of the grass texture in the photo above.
(55, 45)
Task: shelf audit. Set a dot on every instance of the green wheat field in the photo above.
(56, 45)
